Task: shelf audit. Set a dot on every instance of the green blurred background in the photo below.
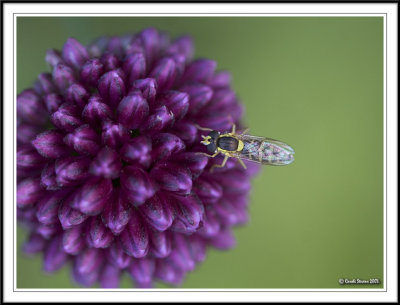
(313, 82)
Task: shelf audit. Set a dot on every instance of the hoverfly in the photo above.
(246, 147)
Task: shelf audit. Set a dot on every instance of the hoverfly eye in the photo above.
(214, 134)
(212, 147)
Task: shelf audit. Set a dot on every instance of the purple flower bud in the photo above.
(173, 178)
(74, 54)
(66, 117)
(97, 47)
(189, 210)
(77, 94)
(85, 279)
(98, 236)
(106, 164)
(50, 144)
(109, 277)
(177, 102)
(186, 131)
(166, 145)
(134, 239)
(224, 239)
(114, 46)
(199, 96)
(220, 79)
(134, 67)
(142, 270)
(111, 88)
(160, 243)
(161, 118)
(93, 195)
(132, 110)
(53, 101)
(89, 260)
(164, 73)
(117, 212)
(137, 185)
(68, 216)
(168, 273)
(110, 62)
(193, 161)
(151, 41)
(137, 151)
(30, 107)
(36, 243)
(71, 170)
(48, 231)
(184, 46)
(28, 159)
(200, 70)
(211, 225)
(157, 213)
(117, 256)
(63, 76)
(53, 57)
(96, 111)
(148, 88)
(47, 207)
(91, 72)
(208, 190)
(44, 84)
(29, 191)
(114, 135)
(197, 248)
(84, 140)
(73, 241)
(235, 181)
(54, 256)
(181, 255)
(26, 133)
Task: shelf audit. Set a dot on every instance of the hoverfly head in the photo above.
(206, 140)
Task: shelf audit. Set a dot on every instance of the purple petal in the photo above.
(27, 132)
(98, 236)
(97, 47)
(110, 277)
(111, 88)
(44, 84)
(132, 110)
(93, 195)
(181, 256)
(199, 96)
(50, 144)
(177, 102)
(89, 260)
(48, 231)
(74, 54)
(186, 131)
(148, 88)
(183, 45)
(30, 107)
(137, 150)
(91, 72)
(211, 224)
(71, 170)
(67, 117)
(223, 240)
(134, 67)
(117, 256)
(68, 216)
(110, 61)
(220, 79)
(95, 110)
(134, 239)
(233, 181)
(151, 41)
(114, 46)
(73, 240)
(160, 243)
(197, 248)
(173, 178)
(169, 274)
(116, 213)
(35, 243)
(114, 135)
(137, 185)
(85, 279)
(54, 256)
(166, 145)
(77, 94)
(106, 164)
(161, 118)
(142, 270)
(193, 161)
(157, 213)
(53, 57)
(63, 76)
(200, 70)
(53, 101)
(164, 73)
(47, 207)
(84, 140)
(28, 158)
(29, 191)
(228, 213)
(208, 190)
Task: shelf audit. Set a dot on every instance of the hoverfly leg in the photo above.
(205, 154)
(233, 129)
(219, 165)
(242, 163)
(202, 128)
(245, 131)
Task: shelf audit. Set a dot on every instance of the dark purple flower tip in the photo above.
(53, 101)
(208, 190)
(177, 102)
(110, 277)
(93, 195)
(110, 61)
(181, 256)
(30, 107)
(211, 225)
(111, 87)
(54, 256)
(184, 46)
(28, 158)
(35, 243)
(137, 185)
(74, 54)
(50, 144)
(134, 67)
(160, 119)
(77, 94)
(47, 207)
(63, 76)
(117, 212)
(236, 181)
(44, 84)
(160, 243)
(85, 279)
(26, 133)
(199, 96)
(114, 135)
(91, 72)
(148, 88)
(98, 236)
(168, 273)
(53, 57)
(48, 231)
(106, 164)
(164, 73)
(172, 177)
(84, 140)
(142, 271)
(135, 239)
(29, 191)
(137, 151)
(71, 170)
(220, 79)
(224, 240)
(200, 70)
(73, 241)
(68, 216)
(195, 162)
(117, 256)
(67, 117)
(89, 260)
(186, 131)
(166, 145)
(157, 213)
(96, 111)
(189, 212)
(132, 110)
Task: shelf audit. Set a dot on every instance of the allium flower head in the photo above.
(109, 175)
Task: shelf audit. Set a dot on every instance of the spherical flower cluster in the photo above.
(108, 170)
